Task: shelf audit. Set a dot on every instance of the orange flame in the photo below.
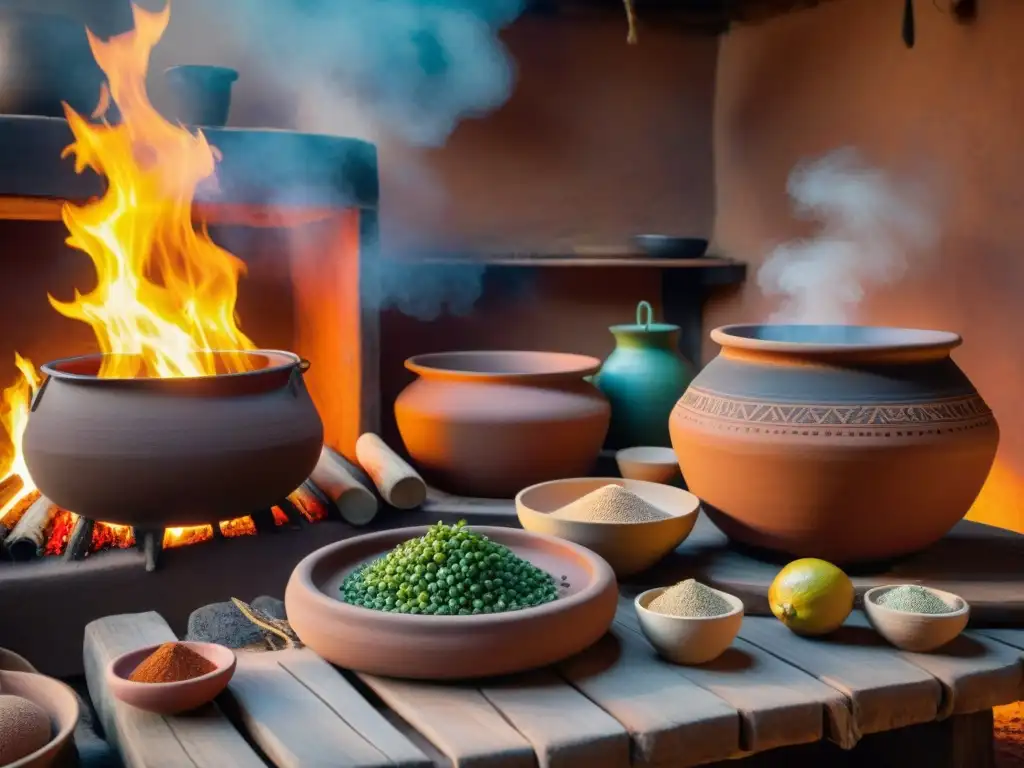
(14, 409)
(165, 294)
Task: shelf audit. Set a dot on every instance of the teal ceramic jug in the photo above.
(642, 379)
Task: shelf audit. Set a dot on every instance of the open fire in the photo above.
(164, 297)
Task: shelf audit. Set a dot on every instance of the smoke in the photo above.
(870, 224)
(398, 73)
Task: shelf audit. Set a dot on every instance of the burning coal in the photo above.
(870, 224)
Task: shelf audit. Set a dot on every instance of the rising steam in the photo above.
(870, 224)
(379, 70)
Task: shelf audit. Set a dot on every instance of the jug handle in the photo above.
(642, 309)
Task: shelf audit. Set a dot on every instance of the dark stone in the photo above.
(223, 623)
(271, 606)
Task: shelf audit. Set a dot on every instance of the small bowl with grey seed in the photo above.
(916, 618)
(689, 623)
(632, 524)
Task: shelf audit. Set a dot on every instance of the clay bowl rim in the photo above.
(743, 336)
(224, 667)
(287, 361)
(599, 482)
(302, 576)
(641, 601)
(574, 366)
(872, 594)
(65, 733)
(670, 456)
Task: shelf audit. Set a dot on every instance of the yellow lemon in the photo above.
(811, 596)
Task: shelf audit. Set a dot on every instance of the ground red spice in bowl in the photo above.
(172, 663)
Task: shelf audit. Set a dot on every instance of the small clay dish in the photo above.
(59, 702)
(171, 698)
(628, 547)
(649, 462)
(686, 640)
(451, 647)
(918, 632)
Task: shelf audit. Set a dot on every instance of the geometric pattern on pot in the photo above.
(970, 408)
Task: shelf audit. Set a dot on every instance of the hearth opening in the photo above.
(161, 297)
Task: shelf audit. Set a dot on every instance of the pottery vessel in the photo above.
(643, 378)
(848, 443)
(60, 703)
(164, 452)
(629, 548)
(491, 423)
(917, 632)
(689, 640)
(171, 698)
(199, 94)
(450, 647)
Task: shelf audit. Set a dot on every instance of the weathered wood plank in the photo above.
(564, 727)
(325, 682)
(463, 725)
(779, 705)
(976, 672)
(671, 720)
(885, 691)
(202, 739)
(290, 724)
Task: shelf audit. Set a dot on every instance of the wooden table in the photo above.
(772, 699)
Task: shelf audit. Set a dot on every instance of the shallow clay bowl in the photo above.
(919, 632)
(649, 462)
(60, 703)
(450, 647)
(685, 640)
(628, 547)
(171, 698)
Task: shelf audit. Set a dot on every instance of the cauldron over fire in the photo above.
(158, 452)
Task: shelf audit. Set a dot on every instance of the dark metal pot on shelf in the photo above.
(154, 452)
(46, 61)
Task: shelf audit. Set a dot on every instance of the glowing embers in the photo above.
(34, 527)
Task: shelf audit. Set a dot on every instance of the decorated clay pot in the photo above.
(848, 443)
(492, 423)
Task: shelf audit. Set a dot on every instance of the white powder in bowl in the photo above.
(610, 504)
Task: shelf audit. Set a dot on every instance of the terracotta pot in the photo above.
(491, 423)
(848, 443)
(164, 452)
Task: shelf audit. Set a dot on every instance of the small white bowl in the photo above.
(918, 632)
(685, 640)
(650, 463)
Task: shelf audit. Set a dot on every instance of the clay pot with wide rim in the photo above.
(848, 443)
(492, 423)
(156, 452)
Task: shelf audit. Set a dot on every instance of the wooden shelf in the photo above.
(714, 270)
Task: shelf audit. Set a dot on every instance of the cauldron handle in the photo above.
(301, 367)
(39, 395)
